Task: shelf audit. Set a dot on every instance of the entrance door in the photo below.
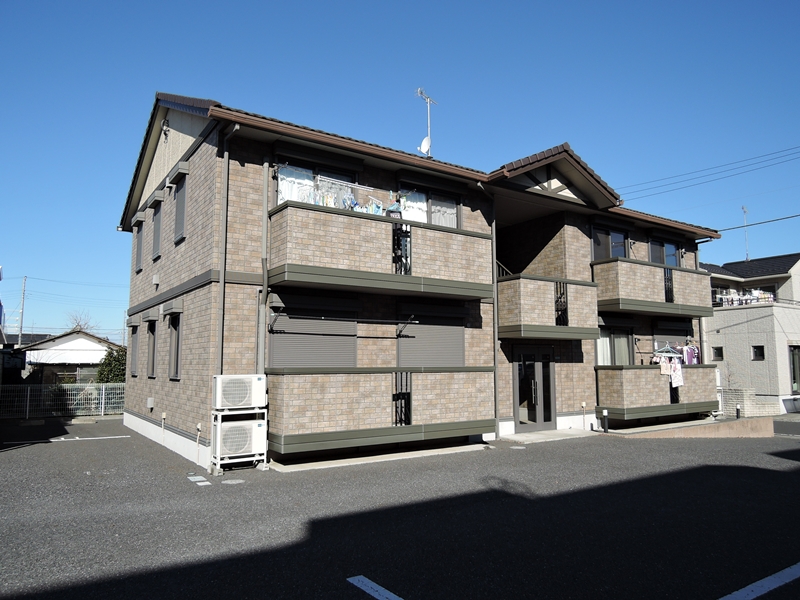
(534, 400)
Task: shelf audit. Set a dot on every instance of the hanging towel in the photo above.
(677, 375)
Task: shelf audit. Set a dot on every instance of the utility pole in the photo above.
(22, 310)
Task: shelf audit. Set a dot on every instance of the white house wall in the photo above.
(183, 130)
(75, 351)
(737, 329)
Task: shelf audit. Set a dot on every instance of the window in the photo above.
(717, 353)
(429, 207)
(157, 231)
(151, 349)
(608, 244)
(614, 347)
(134, 350)
(758, 352)
(665, 253)
(794, 361)
(175, 346)
(139, 241)
(180, 210)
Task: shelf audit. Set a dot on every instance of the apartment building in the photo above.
(390, 298)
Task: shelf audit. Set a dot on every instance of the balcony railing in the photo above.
(530, 305)
(637, 286)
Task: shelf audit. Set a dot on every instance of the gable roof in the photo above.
(759, 267)
(568, 162)
(78, 332)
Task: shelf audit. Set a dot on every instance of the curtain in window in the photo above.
(443, 211)
(622, 349)
(604, 348)
(414, 206)
(296, 184)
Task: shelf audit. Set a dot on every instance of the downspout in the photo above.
(495, 321)
(262, 304)
(224, 248)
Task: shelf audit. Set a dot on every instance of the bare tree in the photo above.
(81, 320)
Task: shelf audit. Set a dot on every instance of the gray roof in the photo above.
(758, 267)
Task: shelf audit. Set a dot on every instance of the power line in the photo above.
(709, 181)
(655, 187)
(708, 169)
(759, 223)
(111, 285)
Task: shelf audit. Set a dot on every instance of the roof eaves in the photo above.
(664, 222)
(316, 135)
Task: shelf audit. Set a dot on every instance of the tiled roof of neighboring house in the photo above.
(27, 338)
(717, 270)
(49, 338)
(763, 267)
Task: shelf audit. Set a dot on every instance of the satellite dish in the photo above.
(425, 146)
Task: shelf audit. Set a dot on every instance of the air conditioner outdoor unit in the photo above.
(239, 391)
(240, 438)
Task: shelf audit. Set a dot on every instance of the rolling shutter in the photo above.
(433, 342)
(313, 339)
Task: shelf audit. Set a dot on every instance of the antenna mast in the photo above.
(746, 248)
(425, 146)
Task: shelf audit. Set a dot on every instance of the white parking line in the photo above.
(75, 439)
(759, 588)
(372, 588)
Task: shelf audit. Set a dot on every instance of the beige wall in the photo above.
(183, 130)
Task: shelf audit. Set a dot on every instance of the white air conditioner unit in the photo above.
(239, 391)
(240, 438)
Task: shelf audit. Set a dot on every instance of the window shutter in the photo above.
(312, 341)
(434, 342)
(180, 209)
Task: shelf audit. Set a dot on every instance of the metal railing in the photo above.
(562, 305)
(669, 287)
(61, 400)
(402, 399)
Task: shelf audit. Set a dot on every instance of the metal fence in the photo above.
(61, 400)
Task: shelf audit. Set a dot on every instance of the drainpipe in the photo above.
(224, 247)
(262, 304)
(495, 323)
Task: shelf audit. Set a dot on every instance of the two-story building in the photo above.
(754, 335)
(389, 297)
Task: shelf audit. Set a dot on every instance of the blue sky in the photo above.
(641, 91)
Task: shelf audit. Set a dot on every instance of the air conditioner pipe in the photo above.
(224, 246)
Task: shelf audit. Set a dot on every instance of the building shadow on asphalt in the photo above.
(17, 433)
(699, 533)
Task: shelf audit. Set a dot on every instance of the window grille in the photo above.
(401, 248)
(562, 315)
(402, 399)
(669, 290)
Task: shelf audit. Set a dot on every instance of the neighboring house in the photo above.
(372, 286)
(754, 336)
(71, 357)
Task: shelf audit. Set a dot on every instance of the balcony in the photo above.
(626, 285)
(324, 246)
(640, 391)
(532, 307)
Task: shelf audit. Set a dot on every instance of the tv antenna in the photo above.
(746, 249)
(425, 146)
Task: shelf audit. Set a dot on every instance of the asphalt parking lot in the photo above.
(97, 511)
